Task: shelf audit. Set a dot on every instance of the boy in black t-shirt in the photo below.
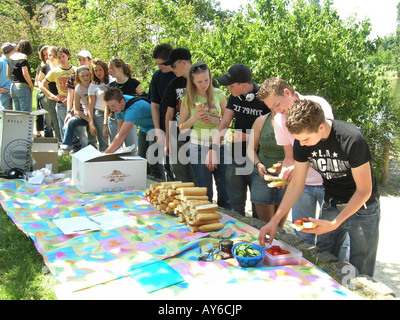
(245, 108)
(175, 145)
(339, 152)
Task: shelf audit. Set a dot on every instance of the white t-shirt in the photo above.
(97, 90)
(284, 137)
(83, 93)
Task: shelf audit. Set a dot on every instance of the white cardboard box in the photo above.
(16, 129)
(93, 171)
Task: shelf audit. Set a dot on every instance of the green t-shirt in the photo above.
(201, 130)
(269, 152)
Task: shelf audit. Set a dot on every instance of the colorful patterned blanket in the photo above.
(155, 246)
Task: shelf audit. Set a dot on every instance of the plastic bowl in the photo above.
(245, 262)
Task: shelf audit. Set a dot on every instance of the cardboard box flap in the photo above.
(91, 154)
(87, 153)
(24, 113)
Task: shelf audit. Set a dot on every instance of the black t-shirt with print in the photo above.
(333, 158)
(246, 112)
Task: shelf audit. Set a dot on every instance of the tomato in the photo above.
(304, 219)
(276, 251)
(298, 222)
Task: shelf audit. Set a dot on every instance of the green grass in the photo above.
(22, 272)
(21, 265)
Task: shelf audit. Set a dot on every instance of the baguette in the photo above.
(194, 228)
(268, 177)
(211, 227)
(207, 216)
(201, 222)
(278, 183)
(196, 203)
(195, 191)
(207, 207)
(186, 198)
(182, 185)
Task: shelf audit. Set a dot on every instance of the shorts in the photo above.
(262, 194)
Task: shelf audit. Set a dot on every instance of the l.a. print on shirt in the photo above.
(329, 164)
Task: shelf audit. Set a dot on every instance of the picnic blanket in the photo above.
(84, 260)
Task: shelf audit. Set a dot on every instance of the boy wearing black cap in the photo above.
(180, 62)
(244, 106)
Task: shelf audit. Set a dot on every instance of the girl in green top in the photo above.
(264, 152)
(201, 110)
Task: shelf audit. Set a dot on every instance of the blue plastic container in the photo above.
(245, 262)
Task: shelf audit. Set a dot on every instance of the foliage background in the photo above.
(302, 41)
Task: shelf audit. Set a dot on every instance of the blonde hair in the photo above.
(191, 90)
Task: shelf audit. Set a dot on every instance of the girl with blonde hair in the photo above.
(202, 108)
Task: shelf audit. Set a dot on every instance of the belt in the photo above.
(20, 84)
(334, 203)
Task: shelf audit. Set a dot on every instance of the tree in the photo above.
(302, 41)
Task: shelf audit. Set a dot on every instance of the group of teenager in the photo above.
(189, 131)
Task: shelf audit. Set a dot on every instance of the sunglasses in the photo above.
(199, 67)
(174, 64)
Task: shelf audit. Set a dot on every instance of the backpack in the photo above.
(136, 98)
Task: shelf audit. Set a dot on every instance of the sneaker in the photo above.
(63, 152)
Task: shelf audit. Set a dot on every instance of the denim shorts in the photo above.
(262, 194)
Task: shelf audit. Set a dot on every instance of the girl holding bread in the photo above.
(202, 107)
(264, 153)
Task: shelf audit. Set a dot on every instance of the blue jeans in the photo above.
(5, 101)
(204, 176)
(22, 97)
(50, 119)
(98, 123)
(236, 186)
(78, 126)
(363, 230)
(61, 110)
(262, 194)
(112, 126)
(306, 207)
(179, 161)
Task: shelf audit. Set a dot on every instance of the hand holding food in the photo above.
(275, 182)
(303, 223)
(276, 168)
